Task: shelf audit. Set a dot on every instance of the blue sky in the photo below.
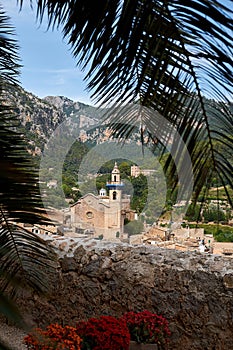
(48, 65)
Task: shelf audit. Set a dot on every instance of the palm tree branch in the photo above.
(162, 55)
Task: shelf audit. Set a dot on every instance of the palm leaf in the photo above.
(164, 55)
(25, 259)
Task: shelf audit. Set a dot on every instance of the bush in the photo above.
(104, 333)
(214, 215)
(146, 327)
(221, 236)
(55, 337)
(133, 227)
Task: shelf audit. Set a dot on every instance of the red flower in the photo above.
(104, 333)
(146, 327)
(54, 337)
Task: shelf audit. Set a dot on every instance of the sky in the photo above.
(48, 65)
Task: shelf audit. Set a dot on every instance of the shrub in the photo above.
(146, 327)
(104, 333)
(133, 227)
(55, 337)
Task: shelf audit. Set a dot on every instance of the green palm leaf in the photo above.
(165, 55)
(25, 259)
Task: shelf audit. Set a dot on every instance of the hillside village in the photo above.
(102, 217)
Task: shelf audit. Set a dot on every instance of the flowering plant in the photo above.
(54, 337)
(146, 327)
(104, 333)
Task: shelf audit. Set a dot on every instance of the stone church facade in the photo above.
(103, 214)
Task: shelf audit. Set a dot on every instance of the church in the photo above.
(102, 215)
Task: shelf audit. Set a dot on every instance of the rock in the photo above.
(228, 280)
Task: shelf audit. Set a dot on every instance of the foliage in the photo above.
(146, 327)
(133, 227)
(74, 158)
(140, 194)
(125, 168)
(161, 57)
(123, 165)
(193, 213)
(55, 337)
(223, 236)
(213, 214)
(219, 193)
(25, 259)
(104, 333)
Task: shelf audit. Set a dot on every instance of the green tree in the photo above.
(139, 199)
(174, 58)
(133, 227)
(101, 181)
(124, 168)
(193, 213)
(67, 190)
(223, 236)
(213, 214)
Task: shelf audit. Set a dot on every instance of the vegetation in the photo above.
(214, 214)
(133, 227)
(193, 213)
(148, 328)
(104, 332)
(223, 236)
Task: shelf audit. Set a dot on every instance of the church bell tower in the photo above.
(115, 185)
(115, 221)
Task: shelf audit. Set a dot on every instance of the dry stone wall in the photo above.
(194, 291)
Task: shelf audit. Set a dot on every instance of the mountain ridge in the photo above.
(39, 117)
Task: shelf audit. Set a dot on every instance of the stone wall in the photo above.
(194, 291)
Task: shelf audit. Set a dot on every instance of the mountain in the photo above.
(40, 117)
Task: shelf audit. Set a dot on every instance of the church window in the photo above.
(114, 195)
(89, 215)
(115, 178)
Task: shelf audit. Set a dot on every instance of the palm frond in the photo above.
(19, 189)
(24, 257)
(9, 59)
(169, 56)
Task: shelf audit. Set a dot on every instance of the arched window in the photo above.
(114, 195)
(115, 178)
